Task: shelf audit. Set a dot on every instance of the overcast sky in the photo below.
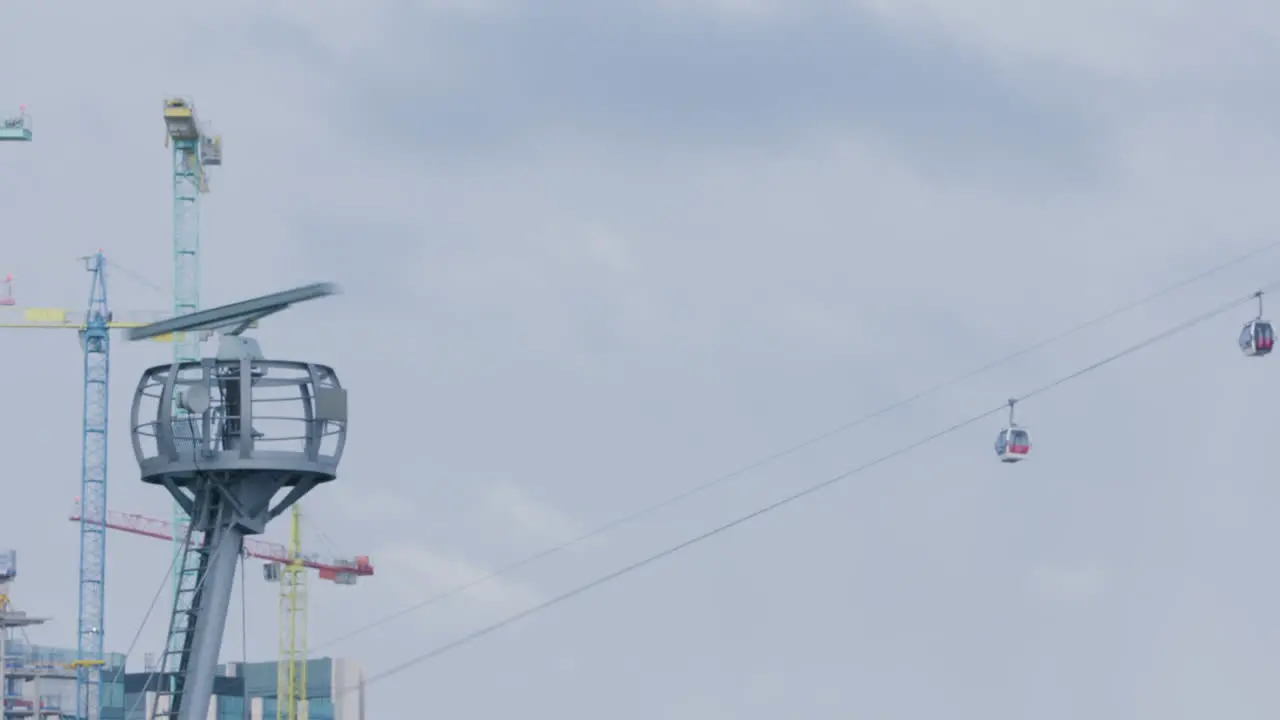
(598, 252)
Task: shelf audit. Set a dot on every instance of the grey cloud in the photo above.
(628, 71)
(782, 281)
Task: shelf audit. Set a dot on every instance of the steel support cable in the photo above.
(137, 277)
(791, 450)
(805, 492)
(133, 644)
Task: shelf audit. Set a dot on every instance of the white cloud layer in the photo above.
(596, 253)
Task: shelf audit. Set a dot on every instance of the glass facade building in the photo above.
(139, 696)
(247, 691)
(37, 673)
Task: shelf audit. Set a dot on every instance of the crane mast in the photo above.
(193, 151)
(291, 667)
(95, 340)
(93, 325)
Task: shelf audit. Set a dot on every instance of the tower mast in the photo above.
(96, 343)
(193, 151)
(291, 666)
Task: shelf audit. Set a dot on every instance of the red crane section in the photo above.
(343, 571)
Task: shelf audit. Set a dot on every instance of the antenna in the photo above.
(236, 316)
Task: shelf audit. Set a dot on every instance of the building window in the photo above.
(320, 709)
(230, 707)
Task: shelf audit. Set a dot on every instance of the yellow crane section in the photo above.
(52, 318)
(291, 668)
(14, 316)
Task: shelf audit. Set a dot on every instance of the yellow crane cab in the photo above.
(180, 119)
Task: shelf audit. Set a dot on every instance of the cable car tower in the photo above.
(250, 429)
(193, 152)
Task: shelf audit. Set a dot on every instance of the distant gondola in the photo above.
(1257, 338)
(1013, 443)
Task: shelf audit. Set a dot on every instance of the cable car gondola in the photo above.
(1013, 443)
(1257, 338)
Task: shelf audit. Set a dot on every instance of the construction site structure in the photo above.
(253, 429)
(37, 682)
(194, 150)
(14, 316)
(16, 128)
(20, 677)
(338, 570)
(15, 673)
(93, 326)
(288, 565)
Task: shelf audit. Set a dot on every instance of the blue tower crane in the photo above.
(93, 326)
(193, 151)
(96, 343)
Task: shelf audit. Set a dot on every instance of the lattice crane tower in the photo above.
(193, 151)
(252, 428)
(93, 325)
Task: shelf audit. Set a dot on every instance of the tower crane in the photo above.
(287, 565)
(194, 150)
(94, 326)
(338, 570)
(16, 128)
